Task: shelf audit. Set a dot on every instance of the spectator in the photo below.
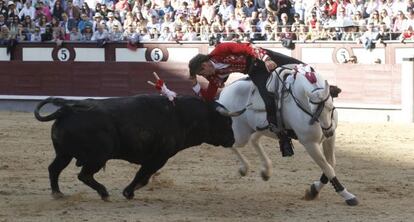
(282, 7)
(268, 34)
(72, 11)
(57, 10)
(67, 24)
(385, 18)
(287, 38)
(254, 34)
(3, 9)
(41, 11)
(166, 35)
(128, 33)
(84, 22)
(75, 35)
(3, 20)
(369, 36)
(204, 29)
(208, 10)
(194, 9)
(352, 60)
(249, 8)
(302, 33)
(116, 33)
(36, 35)
(28, 25)
(370, 7)
(261, 22)
(178, 33)
(407, 34)
(311, 22)
(359, 21)
(48, 34)
(101, 34)
(225, 9)
(331, 8)
(4, 35)
(260, 6)
(410, 19)
(296, 23)
(238, 9)
(87, 33)
(190, 34)
(11, 9)
(112, 21)
(167, 22)
(97, 20)
(374, 18)
(233, 22)
(398, 24)
(85, 9)
(284, 20)
(122, 7)
(384, 34)
(153, 33)
(42, 22)
(27, 10)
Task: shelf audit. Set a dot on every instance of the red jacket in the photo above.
(235, 56)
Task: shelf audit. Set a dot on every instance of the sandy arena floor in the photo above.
(374, 161)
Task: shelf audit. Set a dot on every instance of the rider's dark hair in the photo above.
(195, 64)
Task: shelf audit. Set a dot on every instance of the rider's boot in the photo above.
(285, 144)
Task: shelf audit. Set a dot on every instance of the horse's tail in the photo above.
(65, 107)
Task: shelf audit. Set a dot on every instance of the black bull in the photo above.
(143, 129)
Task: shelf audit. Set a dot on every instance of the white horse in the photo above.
(307, 109)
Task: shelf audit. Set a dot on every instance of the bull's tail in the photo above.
(65, 106)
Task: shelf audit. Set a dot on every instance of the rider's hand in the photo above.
(270, 65)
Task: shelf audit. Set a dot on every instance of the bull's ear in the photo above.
(225, 112)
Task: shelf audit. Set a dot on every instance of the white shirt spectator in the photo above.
(100, 34)
(27, 10)
(226, 9)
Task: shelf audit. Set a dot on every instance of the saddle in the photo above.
(277, 85)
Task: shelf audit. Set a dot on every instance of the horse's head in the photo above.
(316, 89)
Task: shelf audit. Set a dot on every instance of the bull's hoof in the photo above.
(265, 175)
(311, 193)
(106, 199)
(352, 202)
(128, 194)
(57, 195)
(243, 171)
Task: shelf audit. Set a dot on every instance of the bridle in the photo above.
(321, 105)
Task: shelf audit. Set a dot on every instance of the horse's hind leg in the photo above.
(266, 162)
(55, 168)
(329, 153)
(244, 163)
(316, 154)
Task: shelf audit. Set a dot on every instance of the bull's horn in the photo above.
(225, 112)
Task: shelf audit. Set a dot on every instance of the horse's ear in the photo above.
(334, 91)
(327, 88)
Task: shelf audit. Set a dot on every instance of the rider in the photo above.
(257, 62)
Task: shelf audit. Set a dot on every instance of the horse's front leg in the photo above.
(315, 152)
(266, 162)
(244, 163)
(328, 146)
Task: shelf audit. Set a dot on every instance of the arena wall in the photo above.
(371, 92)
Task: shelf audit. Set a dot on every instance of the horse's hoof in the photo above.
(57, 195)
(352, 202)
(265, 176)
(311, 193)
(242, 171)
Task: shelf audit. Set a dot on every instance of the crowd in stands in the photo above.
(362, 21)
